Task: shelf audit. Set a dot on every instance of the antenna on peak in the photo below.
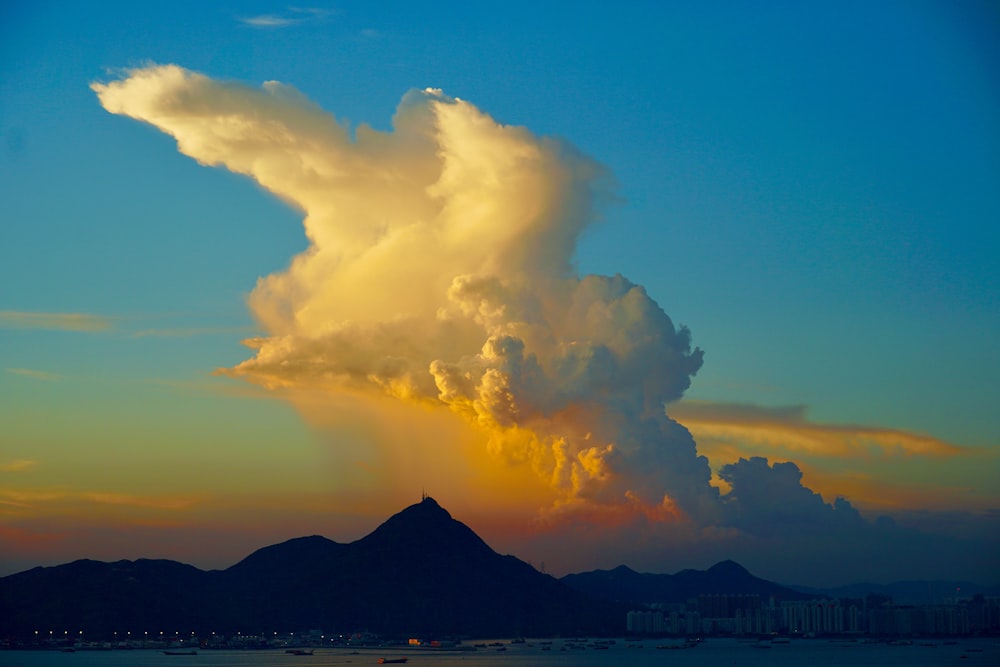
(423, 495)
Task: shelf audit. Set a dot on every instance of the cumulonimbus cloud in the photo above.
(439, 271)
(439, 276)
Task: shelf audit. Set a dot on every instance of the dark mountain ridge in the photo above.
(419, 572)
(629, 587)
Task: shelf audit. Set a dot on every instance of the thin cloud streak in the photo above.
(10, 319)
(18, 465)
(41, 502)
(269, 21)
(154, 502)
(190, 332)
(788, 429)
(299, 16)
(36, 374)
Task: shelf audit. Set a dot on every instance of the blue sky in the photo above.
(811, 188)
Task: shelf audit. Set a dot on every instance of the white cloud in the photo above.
(294, 16)
(269, 21)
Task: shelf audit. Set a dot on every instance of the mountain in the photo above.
(627, 586)
(420, 572)
(89, 594)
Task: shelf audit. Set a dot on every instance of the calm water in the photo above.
(711, 653)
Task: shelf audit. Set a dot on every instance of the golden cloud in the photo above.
(786, 431)
(439, 274)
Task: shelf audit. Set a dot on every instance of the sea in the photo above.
(709, 653)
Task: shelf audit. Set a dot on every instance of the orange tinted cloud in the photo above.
(36, 502)
(787, 430)
(17, 465)
(877, 468)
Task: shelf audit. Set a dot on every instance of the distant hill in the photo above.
(627, 586)
(419, 572)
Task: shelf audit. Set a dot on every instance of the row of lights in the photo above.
(146, 633)
(66, 632)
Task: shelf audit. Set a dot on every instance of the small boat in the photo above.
(299, 651)
(180, 653)
(392, 661)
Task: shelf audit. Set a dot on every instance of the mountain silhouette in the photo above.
(420, 572)
(629, 587)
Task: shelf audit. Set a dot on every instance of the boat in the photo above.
(688, 644)
(392, 661)
(299, 651)
(180, 653)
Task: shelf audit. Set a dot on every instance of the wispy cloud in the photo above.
(294, 16)
(38, 375)
(38, 499)
(18, 465)
(151, 502)
(787, 429)
(190, 332)
(12, 319)
(218, 385)
(269, 21)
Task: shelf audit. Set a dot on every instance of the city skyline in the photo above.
(654, 286)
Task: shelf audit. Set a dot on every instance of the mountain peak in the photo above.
(422, 522)
(427, 513)
(429, 505)
(729, 568)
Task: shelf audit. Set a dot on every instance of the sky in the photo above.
(655, 284)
